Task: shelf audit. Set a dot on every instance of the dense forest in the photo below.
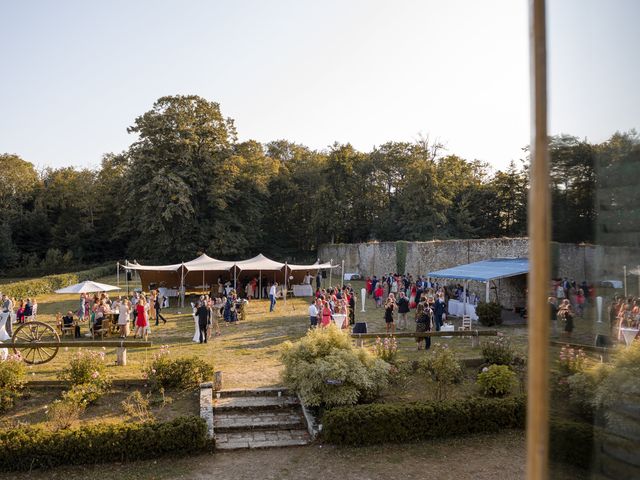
(187, 185)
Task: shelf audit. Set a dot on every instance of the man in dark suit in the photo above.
(203, 313)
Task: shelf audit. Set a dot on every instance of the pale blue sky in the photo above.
(75, 74)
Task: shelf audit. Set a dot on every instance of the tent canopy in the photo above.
(153, 268)
(315, 266)
(259, 262)
(485, 270)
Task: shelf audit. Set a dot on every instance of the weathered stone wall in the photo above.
(579, 262)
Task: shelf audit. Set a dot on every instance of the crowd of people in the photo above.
(331, 304)
(209, 310)
(624, 312)
(21, 311)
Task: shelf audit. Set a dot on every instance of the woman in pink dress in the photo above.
(326, 314)
(142, 324)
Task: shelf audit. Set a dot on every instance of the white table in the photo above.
(629, 334)
(303, 290)
(448, 327)
(456, 308)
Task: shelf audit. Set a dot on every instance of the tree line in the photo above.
(187, 185)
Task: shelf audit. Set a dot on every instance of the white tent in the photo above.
(315, 266)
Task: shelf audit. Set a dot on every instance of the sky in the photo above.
(76, 74)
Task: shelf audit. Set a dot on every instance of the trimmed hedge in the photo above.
(408, 422)
(45, 285)
(26, 448)
(571, 442)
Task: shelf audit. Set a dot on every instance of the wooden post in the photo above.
(539, 254)
(121, 356)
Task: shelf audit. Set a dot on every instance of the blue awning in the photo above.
(485, 270)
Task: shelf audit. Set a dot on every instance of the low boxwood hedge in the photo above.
(408, 422)
(571, 442)
(44, 285)
(26, 448)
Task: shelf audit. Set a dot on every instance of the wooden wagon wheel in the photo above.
(36, 332)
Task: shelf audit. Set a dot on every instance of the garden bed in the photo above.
(31, 408)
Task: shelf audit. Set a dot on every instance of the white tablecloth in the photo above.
(338, 319)
(629, 334)
(456, 308)
(303, 290)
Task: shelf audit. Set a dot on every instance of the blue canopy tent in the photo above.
(484, 271)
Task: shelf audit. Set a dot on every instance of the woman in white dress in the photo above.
(124, 308)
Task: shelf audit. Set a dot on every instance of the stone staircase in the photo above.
(260, 418)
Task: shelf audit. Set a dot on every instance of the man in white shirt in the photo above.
(272, 296)
(313, 313)
(307, 279)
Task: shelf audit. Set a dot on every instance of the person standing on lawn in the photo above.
(389, 307)
(157, 306)
(403, 309)
(204, 317)
(272, 296)
(142, 323)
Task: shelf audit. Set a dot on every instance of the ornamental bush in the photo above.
(498, 351)
(13, 374)
(26, 448)
(409, 422)
(443, 369)
(386, 349)
(489, 313)
(326, 370)
(182, 373)
(86, 366)
(497, 380)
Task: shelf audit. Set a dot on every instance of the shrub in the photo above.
(571, 360)
(443, 369)
(618, 394)
(86, 366)
(582, 389)
(489, 313)
(136, 406)
(498, 351)
(408, 422)
(571, 442)
(26, 448)
(325, 369)
(64, 413)
(13, 374)
(182, 373)
(386, 349)
(496, 380)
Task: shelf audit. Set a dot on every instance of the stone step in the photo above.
(261, 439)
(272, 420)
(255, 392)
(253, 403)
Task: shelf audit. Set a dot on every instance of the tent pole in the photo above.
(464, 296)
(285, 283)
(182, 291)
(330, 272)
(118, 274)
(126, 277)
(260, 281)
(342, 275)
(487, 291)
(235, 278)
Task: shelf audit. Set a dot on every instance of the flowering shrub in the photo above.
(442, 369)
(498, 351)
(86, 366)
(572, 361)
(13, 375)
(496, 380)
(326, 370)
(181, 373)
(386, 349)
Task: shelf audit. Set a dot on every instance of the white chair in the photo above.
(466, 323)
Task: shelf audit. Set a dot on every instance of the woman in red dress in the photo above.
(326, 314)
(142, 324)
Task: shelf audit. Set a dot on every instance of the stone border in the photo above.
(206, 407)
(313, 427)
